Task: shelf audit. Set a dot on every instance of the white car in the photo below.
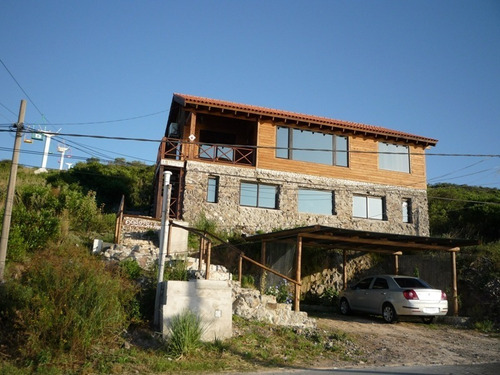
(392, 296)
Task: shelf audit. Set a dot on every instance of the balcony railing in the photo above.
(174, 149)
(228, 154)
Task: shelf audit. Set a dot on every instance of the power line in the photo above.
(110, 121)
(115, 138)
(19, 85)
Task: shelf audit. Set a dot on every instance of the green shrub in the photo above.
(64, 302)
(185, 334)
(248, 281)
(131, 269)
(281, 292)
(176, 270)
(329, 297)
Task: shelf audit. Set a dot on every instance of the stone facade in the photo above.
(230, 215)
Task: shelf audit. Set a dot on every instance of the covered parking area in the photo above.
(324, 237)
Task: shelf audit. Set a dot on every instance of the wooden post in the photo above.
(263, 261)
(344, 273)
(296, 302)
(192, 130)
(396, 264)
(209, 252)
(11, 189)
(201, 255)
(240, 267)
(454, 288)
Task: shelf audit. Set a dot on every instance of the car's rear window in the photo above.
(405, 282)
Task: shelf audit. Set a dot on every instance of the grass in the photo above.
(254, 346)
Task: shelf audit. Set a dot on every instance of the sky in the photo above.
(109, 68)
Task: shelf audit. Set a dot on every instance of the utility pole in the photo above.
(163, 245)
(9, 200)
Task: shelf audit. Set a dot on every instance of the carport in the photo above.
(324, 237)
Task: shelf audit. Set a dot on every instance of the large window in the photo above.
(213, 189)
(393, 157)
(258, 195)
(306, 145)
(368, 207)
(316, 201)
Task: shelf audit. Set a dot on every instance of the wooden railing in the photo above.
(173, 149)
(224, 153)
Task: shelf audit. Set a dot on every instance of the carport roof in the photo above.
(348, 239)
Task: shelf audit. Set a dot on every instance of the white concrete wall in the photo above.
(211, 300)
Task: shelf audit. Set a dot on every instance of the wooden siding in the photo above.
(363, 162)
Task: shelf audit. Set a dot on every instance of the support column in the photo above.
(454, 288)
(263, 272)
(298, 264)
(344, 273)
(396, 264)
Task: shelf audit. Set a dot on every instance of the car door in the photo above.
(376, 295)
(359, 294)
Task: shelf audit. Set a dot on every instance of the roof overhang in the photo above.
(335, 238)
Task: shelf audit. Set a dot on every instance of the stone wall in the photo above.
(229, 215)
(250, 304)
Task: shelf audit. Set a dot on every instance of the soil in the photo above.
(408, 342)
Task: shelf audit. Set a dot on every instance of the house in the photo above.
(252, 169)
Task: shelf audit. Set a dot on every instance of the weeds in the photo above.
(185, 334)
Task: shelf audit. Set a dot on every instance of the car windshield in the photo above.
(408, 282)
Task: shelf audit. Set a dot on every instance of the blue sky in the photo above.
(430, 68)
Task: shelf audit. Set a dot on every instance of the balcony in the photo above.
(219, 153)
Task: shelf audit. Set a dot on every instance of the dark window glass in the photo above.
(380, 284)
(364, 284)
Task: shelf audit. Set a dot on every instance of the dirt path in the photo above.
(410, 342)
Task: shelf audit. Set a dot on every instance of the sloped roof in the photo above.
(288, 117)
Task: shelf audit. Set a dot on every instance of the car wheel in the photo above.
(345, 309)
(427, 319)
(389, 313)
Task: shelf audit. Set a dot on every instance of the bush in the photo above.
(63, 302)
(185, 334)
(281, 292)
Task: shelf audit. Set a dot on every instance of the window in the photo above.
(368, 207)
(406, 208)
(393, 157)
(306, 145)
(380, 284)
(364, 284)
(258, 195)
(316, 201)
(213, 189)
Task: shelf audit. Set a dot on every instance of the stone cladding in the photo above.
(231, 216)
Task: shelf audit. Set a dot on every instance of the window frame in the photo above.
(368, 214)
(215, 198)
(259, 187)
(407, 213)
(389, 159)
(285, 146)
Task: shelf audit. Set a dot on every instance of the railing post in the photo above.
(240, 268)
(209, 251)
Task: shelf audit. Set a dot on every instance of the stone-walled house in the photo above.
(254, 169)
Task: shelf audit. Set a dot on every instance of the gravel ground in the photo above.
(410, 342)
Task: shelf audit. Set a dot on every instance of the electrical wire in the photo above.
(24, 91)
